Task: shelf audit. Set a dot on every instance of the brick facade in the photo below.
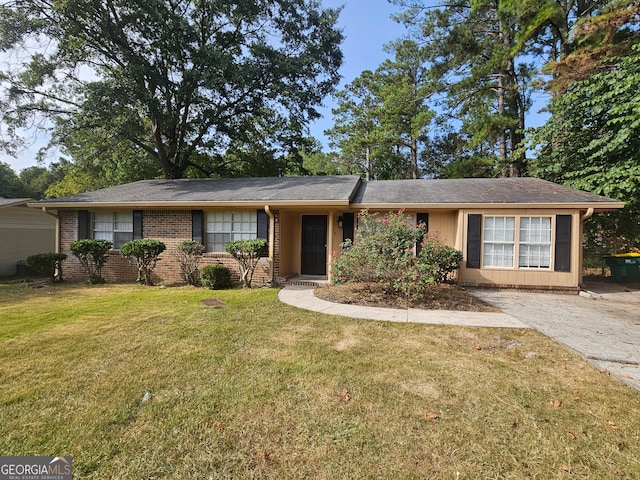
(168, 226)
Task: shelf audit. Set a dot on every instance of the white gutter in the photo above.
(272, 241)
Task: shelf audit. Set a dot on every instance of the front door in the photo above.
(314, 245)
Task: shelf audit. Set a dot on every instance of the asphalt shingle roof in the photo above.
(7, 202)
(260, 189)
(339, 190)
(471, 191)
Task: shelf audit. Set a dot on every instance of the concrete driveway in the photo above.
(602, 323)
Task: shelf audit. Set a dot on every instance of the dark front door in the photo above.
(314, 245)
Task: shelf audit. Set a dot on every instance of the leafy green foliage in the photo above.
(382, 117)
(247, 253)
(49, 264)
(176, 86)
(384, 252)
(146, 252)
(592, 142)
(215, 276)
(92, 254)
(479, 69)
(10, 185)
(189, 253)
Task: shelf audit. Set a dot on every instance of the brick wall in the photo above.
(168, 226)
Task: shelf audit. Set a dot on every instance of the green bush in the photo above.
(93, 254)
(189, 254)
(384, 252)
(247, 253)
(215, 276)
(49, 264)
(146, 253)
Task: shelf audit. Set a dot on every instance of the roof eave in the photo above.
(597, 206)
(193, 205)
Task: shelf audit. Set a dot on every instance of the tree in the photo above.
(10, 185)
(382, 117)
(180, 80)
(592, 142)
(404, 92)
(480, 69)
(356, 131)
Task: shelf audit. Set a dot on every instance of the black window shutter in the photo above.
(197, 220)
(563, 243)
(474, 240)
(263, 225)
(422, 218)
(137, 225)
(84, 222)
(348, 226)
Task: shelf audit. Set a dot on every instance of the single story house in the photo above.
(513, 232)
(23, 232)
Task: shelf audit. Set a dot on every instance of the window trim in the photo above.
(517, 242)
(113, 231)
(205, 231)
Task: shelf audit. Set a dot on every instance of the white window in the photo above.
(499, 239)
(535, 242)
(117, 227)
(223, 227)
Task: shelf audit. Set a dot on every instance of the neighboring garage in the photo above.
(23, 231)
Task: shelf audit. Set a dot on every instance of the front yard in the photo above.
(144, 382)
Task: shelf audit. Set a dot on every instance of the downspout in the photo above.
(584, 217)
(55, 215)
(272, 239)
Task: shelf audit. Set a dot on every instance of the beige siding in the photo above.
(521, 277)
(23, 232)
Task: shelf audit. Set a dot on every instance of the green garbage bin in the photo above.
(624, 267)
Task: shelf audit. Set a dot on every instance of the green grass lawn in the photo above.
(258, 389)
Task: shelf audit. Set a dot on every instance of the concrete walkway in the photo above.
(303, 297)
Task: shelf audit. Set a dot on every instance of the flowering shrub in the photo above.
(384, 252)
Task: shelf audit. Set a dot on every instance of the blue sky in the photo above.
(367, 27)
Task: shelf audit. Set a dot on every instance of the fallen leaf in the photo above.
(220, 426)
(514, 426)
(576, 398)
(605, 371)
(563, 366)
(266, 455)
(432, 416)
(571, 435)
(478, 347)
(557, 403)
(346, 397)
(625, 375)
(564, 468)
(613, 425)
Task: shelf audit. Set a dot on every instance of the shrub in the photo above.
(49, 264)
(215, 277)
(147, 253)
(189, 254)
(384, 253)
(247, 253)
(93, 254)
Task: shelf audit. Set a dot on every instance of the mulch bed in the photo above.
(439, 297)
